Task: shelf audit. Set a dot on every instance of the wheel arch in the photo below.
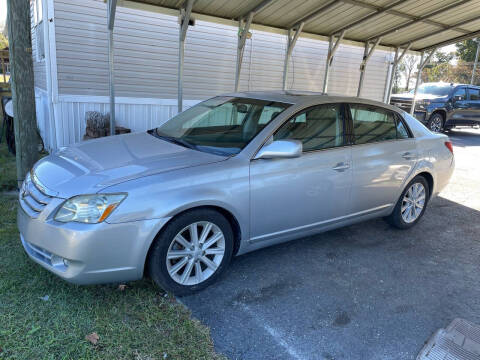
(428, 176)
(232, 219)
(442, 112)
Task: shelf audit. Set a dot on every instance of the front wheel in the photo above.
(435, 123)
(192, 251)
(411, 205)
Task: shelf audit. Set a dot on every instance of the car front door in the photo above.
(474, 105)
(383, 155)
(460, 104)
(293, 197)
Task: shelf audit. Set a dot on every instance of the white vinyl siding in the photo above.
(39, 69)
(146, 56)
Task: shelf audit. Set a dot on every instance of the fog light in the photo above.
(57, 260)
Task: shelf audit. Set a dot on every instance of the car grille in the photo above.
(402, 104)
(32, 199)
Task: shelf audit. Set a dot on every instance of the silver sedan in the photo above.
(230, 175)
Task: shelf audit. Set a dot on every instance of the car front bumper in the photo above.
(88, 253)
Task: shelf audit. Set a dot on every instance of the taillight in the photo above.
(449, 146)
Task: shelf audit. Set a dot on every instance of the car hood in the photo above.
(409, 96)
(90, 166)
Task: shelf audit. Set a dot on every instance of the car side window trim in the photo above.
(405, 125)
(471, 89)
(342, 113)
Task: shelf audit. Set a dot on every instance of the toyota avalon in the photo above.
(232, 174)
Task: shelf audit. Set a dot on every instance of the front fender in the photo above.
(165, 195)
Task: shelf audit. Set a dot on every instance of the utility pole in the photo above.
(23, 93)
(477, 40)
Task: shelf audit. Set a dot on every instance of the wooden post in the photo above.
(21, 79)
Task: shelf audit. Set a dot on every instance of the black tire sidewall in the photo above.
(157, 266)
(396, 218)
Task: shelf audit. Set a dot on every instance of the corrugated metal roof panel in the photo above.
(282, 14)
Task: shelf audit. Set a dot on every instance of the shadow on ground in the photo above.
(366, 291)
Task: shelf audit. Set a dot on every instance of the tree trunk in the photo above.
(408, 80)
(23, 93)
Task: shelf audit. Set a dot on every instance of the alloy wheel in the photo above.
(413, 202)
(195, 253)
(436, 124)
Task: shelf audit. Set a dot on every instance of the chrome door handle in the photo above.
(341, 166)
(408, 155)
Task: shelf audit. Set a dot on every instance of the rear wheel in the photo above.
(192, 251)
(411, 205)
(435, 123)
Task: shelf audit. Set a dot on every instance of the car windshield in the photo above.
(434, 89)
(222, 125)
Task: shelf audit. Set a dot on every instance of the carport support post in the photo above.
(111, 8)
(184, 20)
(331, 52)
(419, 74)
(396, 61)
(244, 27)
(366, 56)
(475, 62)
(291, 41)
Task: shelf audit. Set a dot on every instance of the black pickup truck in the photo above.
(442, 106)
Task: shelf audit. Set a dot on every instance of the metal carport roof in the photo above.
(424, 23)
(401, 25)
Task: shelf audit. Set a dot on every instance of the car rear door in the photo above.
(290, 197)
(383, 155)
(474, 105)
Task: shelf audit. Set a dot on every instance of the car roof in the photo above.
(450, 84)
(306, 98)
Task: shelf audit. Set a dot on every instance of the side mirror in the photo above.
(457, 98)
(281, 149)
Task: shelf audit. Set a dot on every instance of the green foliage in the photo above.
(466, 50)
(8, 174)
(440, 68)
(3, 42)
(441, 57)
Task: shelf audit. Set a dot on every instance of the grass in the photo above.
(43, 317)
(8, 176)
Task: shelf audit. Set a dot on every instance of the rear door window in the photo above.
(474, 94)
(373, 124)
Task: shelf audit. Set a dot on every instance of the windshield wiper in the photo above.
(173, 140)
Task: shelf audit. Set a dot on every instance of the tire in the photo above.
(169, 273)
(436, 122)
(396, 218)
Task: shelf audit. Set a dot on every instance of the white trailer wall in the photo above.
(146, 54)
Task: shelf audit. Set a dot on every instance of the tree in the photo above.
(439, 67)
(396, 78)
(466, 50)
(23, 94)
(409, 64)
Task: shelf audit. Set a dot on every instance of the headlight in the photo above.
(89, 209)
